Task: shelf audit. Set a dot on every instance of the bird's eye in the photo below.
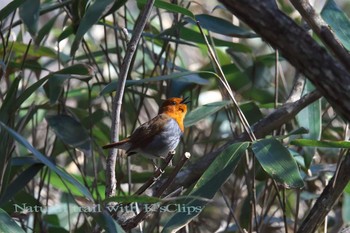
(173, 103)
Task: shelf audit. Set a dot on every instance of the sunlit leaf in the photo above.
(203, 112)
(277, 161)
(338, 21)
(221, 26)
(310, 118)
(208, 184)
(317, 143)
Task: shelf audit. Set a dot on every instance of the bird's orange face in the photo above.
(174, 105)
(175, 108)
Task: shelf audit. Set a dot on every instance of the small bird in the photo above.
(159, 136)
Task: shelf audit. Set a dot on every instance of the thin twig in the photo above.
(133, 222)
(117, 100)
(156, 175)
(223, 80)
(231, 211)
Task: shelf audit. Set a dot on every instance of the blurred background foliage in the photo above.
(59, 66)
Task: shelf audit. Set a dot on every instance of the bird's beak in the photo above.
(185, 101)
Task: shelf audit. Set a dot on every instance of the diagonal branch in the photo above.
(327, 74)
(321, 28)
(298, 47)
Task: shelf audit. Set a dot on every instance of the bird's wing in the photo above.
(146, 132)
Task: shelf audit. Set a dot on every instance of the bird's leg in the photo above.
(171, 153)
(156, 169)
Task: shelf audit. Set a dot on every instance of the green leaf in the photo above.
(338, 21)
(9, 101)
(64, 175)
(92, 15)
(184, 76)
(346, 208)
(56, 182)
(20, 49)
(45, 30)
(221, 26)
(277, 161)
(188, 35)
(251, 111)
(170, 7)
(65, 33)
(20, 182)
(194, 36)
(129, 199)
(208, 184)
(8, 224)
(107, 223)
(10, 8)
(71, 132)
(310, 118)
(29, 13)
(54, 86)
(27, 93)
(203, 112)
(317, 143)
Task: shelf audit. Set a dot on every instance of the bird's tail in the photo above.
(124, 145)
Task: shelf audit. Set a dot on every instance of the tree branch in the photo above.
(329, 77)
(298, 47)
(117, 100)
(321, 28)
(329, 196)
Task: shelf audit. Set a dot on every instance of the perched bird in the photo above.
(159, 136)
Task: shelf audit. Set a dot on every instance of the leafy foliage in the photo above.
(59, 67)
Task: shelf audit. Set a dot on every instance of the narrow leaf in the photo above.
(107, 223)
(310, 118)
(64, 175)
(203, 112)
(317, 143)
(10, 8)
(338, 21)
(206, 187)
(71, 132)
(20, 182)
(29, 13)
(8, 224)
(45, 30)
(170, 7)
(221, 26)
(184, 76)
(276, 160)
(129, 199)
(92, 15)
